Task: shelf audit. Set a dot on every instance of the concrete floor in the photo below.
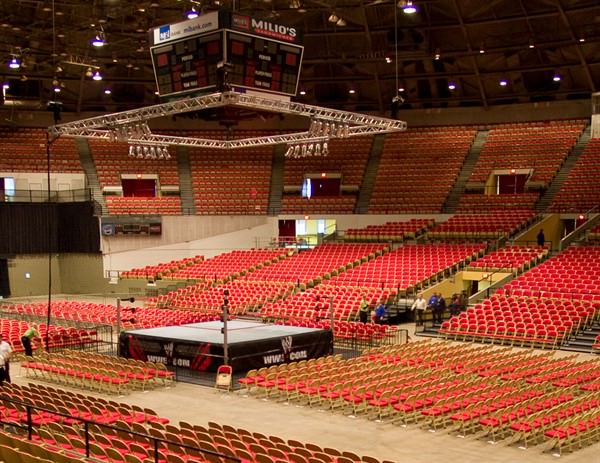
(199, 405)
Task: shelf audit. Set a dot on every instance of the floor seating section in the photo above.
(580, 191)
(24, 150)
(236, 182)
(543, 307)
(489, 225)
(58, 336)
(482, 202)
(97, 372)
(512, 258)
(389, 231)
(410, 267)
(522, 397)
(351, 333)
(310, 267)
(106, 314)
(418, 168)
(143, 205)
(539, 146)
(158, 271)
(56, 417)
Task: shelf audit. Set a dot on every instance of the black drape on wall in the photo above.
(34, 228)
(4, 283)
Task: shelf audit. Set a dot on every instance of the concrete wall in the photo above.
(28, 275)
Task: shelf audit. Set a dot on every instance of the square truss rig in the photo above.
(132, 126)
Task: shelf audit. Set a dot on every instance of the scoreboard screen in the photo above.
(188, 57)
(188, 65)
(263, 63)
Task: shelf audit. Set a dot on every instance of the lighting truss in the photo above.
(124, 126)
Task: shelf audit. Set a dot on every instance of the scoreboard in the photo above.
(198, 55)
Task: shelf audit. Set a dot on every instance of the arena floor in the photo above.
(198, 404)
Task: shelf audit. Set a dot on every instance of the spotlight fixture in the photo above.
(531, 43)
(97, 76)
(107, 91)
(409, 8)
(302, 92)
(14, 63)
(341, 22)
(333, 18)
(89, 72)
(481, 49)
(451, 86)
(351, 91)
(192, 13)
(503, 82)
(149, 152)
(556, 77)
(99, 39)
(309, 149)
(436, 56)
(388, 59)
(56, 89)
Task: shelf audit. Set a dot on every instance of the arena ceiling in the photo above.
(373, 49)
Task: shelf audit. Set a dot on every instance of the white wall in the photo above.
(39, 180)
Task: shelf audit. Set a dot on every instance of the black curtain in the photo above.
(37, 228)
(4, 283)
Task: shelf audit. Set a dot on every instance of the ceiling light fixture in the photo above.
(437, 54)
(409, 8)
(531, 43)
(333, 18)
(97, 76)
(451, 86)
(556, 77)
(15, 63)
(192, 13)
(341, 22)
(503, 82)
(99, 39)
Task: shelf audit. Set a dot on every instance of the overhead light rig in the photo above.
(325, 123)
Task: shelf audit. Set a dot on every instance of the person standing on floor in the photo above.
(31, 333)
(541, 238)
(5, 353)
(363, 310)
(420, 306)
(440, 308)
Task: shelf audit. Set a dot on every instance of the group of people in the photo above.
(437, 305)
(380, 315)
(6, 351)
